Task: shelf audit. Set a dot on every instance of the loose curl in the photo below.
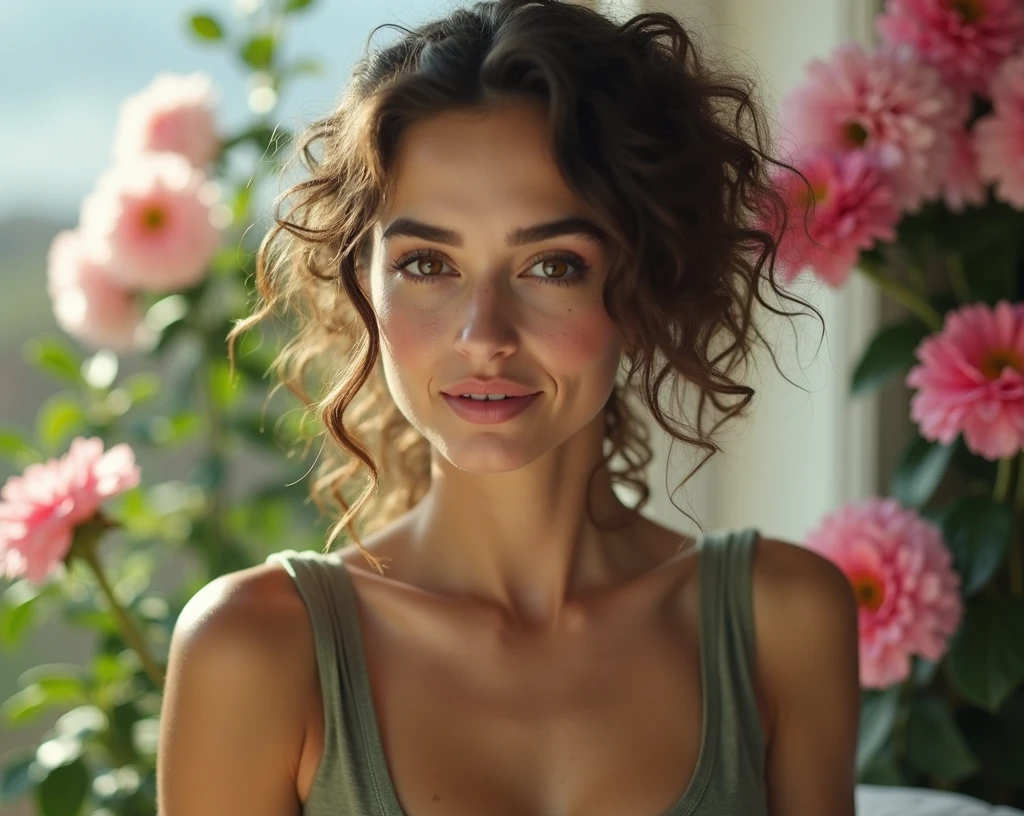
(670, 154)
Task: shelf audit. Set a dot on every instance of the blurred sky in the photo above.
(66, 66)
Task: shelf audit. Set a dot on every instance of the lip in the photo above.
(489, 412)
(493, 385)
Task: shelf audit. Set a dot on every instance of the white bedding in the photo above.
(878, 800)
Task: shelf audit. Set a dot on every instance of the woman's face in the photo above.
(471, 304)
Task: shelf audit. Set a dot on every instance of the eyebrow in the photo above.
(575, 226)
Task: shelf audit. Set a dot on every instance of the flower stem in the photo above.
(957, 278)
(901, 294)
(1004, 470)
(1016, 566)
(130, 631)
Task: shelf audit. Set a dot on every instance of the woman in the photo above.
(520, 214)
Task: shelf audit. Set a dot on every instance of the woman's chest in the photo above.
(609, 724)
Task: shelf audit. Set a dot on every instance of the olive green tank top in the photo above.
(353, 779)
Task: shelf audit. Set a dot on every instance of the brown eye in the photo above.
(429, 267)
(555, 268)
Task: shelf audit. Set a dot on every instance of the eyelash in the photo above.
(573, 260)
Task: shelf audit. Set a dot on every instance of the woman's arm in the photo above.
(238, 687)
(807, 636)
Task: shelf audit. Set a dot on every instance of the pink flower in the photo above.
(999, 137)
(175, 113)
(87, 304)
(966, 41)
(887, 102)
(149, 222)
(853, 207)
(962, 184)
(971, 380)
(901, 574)
(40, 509)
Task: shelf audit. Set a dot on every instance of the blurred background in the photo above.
(67, 66)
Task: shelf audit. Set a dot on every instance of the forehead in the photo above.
(481, 161)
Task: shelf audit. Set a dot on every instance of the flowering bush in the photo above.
(151, 454)
(914, 156)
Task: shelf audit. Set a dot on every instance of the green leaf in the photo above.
(997, 740)
(924, 671)
(977, 531)
(258, 52)
(934, 742)
(877, 716)
(919, 471)
(296, 5)
(16, 778)
(883, 769)
(15, 448)
(206, 27)
(306, 67)
(890, 353)
(17, 609)
(53, 357)
(985, 662)
(60, 418)
(63, 791)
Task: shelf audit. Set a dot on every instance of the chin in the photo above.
(485, 455)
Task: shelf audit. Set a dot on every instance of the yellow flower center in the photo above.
(154, 218)
(856, 134)
(868, 590)
(970, 11)
(996, 360)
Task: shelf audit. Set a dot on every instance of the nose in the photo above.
(486, 323)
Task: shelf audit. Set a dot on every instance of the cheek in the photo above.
(584, 338)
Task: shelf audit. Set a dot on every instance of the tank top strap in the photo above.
(342, 782)
(727, 626)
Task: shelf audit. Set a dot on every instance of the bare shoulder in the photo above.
(240, 671)
(804, 606)
(806, 624)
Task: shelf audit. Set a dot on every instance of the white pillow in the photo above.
(884, 800)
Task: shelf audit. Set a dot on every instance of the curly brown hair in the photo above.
(671, 154)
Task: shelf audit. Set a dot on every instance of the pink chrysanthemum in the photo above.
(966, 40)
(901, 573)
(853, 207)
(40, 509)
(150, 222)
(971, 380)
(999, 137)
(887, 102)
(174, 113)
(962, 184)
(87, 304)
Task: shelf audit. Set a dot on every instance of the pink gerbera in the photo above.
(40, 509)
(962, 184)
(999, 137)
(174, 112)
(150, 222)
(902, 576)
(853, 207)
(87, 304)
(966, 40)
(887, 102)
(971, 380)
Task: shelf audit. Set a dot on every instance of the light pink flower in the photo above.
(999, 137)
(40, 509)
(149, 222)
(174, 112)
(902, 576)
(971, 380)
(887, 102)
(87, 304)
(853, 207)
(966, 41)
(962, 184)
